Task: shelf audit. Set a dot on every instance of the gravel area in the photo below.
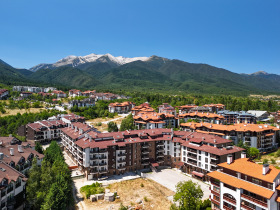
(170, 177)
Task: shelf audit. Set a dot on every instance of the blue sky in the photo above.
(239, 35)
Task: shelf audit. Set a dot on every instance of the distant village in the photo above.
(200, 141)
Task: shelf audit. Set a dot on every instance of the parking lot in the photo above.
(170, 177)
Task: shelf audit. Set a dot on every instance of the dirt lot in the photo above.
(21, 111)
(152, 195)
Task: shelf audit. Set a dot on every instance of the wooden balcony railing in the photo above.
(254, 200)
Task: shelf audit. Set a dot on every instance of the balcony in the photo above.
(250, 198)
(230, 200)
(144, 163)
(190, 161)
(145, 146)
(228, 208)
(160, 154)
(213, 157)
(94, 171)
(103, 171)
(121, 161)
(121, 154)
(213, 162)
(102, 157)
(102, 164)
(145, 151)
(247, 207)
(192, 156)
(93, 165)
(192, 150)
(93, 157)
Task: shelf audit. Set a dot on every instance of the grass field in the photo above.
(21, 111)
(103, 127)
(152, 195)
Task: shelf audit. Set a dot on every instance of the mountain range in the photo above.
(153, 73)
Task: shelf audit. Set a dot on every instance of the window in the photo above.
(206, 153)
(199, 152)
(206, 160)
(184, 153)
(206, 166)
(256, 181)
(184, 159)
(199, 157)
(270, 186)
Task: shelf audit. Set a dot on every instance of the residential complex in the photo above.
(165, 108)
(242, 184)
(4, 93)
(33, 89)
(87, 102)
(237, 117)
(261, 136)
(47, 130)
(104, 154)
(121, 108)
(203, 117)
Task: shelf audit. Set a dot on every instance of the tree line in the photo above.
(50, 186)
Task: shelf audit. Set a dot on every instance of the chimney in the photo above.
(90, 138)
(12, 151)
(243, 155)
(229, 159)
(76, 129)
(265, 168)
(20, 148)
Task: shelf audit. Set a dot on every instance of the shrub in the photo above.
(265, 161)
(273, 161)
(146, 199)
(98, 124)
(142, 185)
(277, 154)
(95, 188)
(122, 207)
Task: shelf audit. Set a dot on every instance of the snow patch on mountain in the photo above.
(75, 61)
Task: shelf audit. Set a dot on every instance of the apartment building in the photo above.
(145, 107)
(104, 154)
(151, 120)
(121, 108)
(12, 184)
(203, 117)
(87, 102)
(186, 108)
(74, 93)
(201, 154)
(4, 93)
(25, 94)
(243, 184)
(20, 156)
(165, 108)
(42, 131)
(261, 136)
(215, 107)
(33, 89)
(59, 94)
(89, 93)
(232, 117)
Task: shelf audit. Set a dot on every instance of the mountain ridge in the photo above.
(152, 73)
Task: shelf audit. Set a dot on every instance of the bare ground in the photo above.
(152, 195)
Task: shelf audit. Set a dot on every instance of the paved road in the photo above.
(170, 177)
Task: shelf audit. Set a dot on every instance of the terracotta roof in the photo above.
(236, 127)
(3, 91)
(245, 166)
(126, 103)
(10, 173)
(241, 184)
(201, 115)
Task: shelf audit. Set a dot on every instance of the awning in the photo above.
(155, 164)
(198, 174)
(270, 134)
(179, 163)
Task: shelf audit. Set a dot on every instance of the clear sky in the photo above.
(239, 35)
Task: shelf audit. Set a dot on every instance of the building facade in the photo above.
(261, 136)
(242, 184)
(105, 154)
(121, 108)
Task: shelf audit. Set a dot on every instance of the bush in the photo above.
(142, 185)
(265, 161)
(277, 154)
(95, 188)
(273, 161)
(146, 199)
(98, 124)
(122, 207)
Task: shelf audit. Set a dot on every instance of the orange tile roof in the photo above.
(201, 115)
(245, 166)
(236, 127)
(239, 183)
(278, 199)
